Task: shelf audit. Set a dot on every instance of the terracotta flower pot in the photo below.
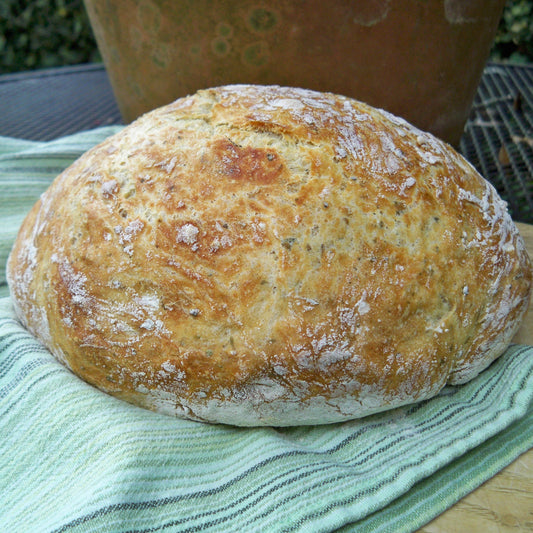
(418, 59)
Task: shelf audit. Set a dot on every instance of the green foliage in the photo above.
(514, 40)
(43, 34)
(48, 33)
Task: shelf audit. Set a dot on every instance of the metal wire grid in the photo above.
(498, 138)
(51, 103)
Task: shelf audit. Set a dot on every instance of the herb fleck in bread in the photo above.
(271, 256)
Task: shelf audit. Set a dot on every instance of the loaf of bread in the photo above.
(258, 255)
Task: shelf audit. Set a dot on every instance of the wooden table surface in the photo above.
(503, 504)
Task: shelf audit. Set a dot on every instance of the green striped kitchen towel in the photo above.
(73, 459)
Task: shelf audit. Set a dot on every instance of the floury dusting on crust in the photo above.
(271, 256)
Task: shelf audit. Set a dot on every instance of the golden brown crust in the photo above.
(271, 256)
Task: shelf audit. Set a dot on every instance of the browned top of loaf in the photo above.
(250, 236)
